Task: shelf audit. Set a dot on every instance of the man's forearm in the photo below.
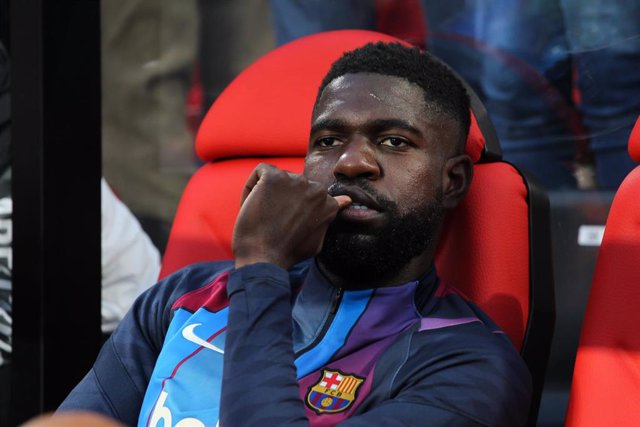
(259, 385)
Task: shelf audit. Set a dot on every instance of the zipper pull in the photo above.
(336, 301)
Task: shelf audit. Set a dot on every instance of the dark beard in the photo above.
(360, 255)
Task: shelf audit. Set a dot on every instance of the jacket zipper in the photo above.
(336, 303)
(337, 299)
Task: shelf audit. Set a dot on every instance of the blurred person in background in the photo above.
(524, 74)
(560, 75)
(401, 18)
(130, 261)
(232, 34)
(604, 41)
(148, 53)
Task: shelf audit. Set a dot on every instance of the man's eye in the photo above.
(394, 142)
(328, 142)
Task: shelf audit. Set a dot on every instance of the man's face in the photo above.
(373, 139)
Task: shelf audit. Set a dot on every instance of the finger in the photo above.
(343, 201)
(293, 175)
(253, 179)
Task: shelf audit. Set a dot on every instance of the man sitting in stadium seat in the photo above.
(332, 310)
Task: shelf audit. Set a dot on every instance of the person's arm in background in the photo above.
(130, 261)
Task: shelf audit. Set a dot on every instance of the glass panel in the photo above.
(559, 80)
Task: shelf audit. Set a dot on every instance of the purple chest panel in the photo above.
(333, 392)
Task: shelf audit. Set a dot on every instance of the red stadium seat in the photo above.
(495, 249)
(606, 381)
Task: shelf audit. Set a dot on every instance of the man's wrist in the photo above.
(257, 259)
(243, 277)
(260, 268)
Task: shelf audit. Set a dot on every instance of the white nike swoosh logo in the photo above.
(190, 335)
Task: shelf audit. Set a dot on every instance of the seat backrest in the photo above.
(606, 380)
(489, 250)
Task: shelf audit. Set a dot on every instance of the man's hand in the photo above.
(283, 218)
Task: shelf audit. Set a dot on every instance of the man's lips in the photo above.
(359, 198)
(363, 207)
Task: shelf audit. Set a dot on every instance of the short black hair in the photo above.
(444, 92)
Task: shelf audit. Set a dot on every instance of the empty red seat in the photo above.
(605, 390)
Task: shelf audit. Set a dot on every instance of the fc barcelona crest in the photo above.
(335, 392)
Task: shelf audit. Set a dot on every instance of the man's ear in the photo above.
(456, 179)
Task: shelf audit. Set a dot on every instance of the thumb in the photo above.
(343, 201)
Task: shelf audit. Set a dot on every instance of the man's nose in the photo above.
(358, 159)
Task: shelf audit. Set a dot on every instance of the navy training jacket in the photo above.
(262, 346)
